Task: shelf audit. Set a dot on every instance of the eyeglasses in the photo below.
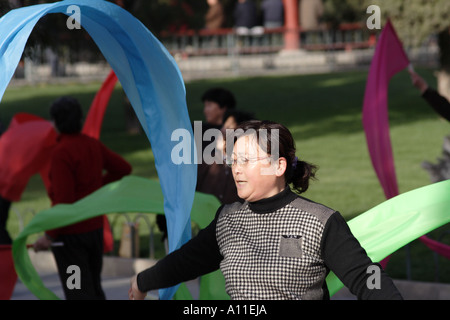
(242, 161)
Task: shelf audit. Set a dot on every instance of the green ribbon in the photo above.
(396, 222)
(381, 230)
(130, 194)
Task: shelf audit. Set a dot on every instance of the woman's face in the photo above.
(213, 112)
(256, 174)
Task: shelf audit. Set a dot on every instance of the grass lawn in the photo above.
(324, 114)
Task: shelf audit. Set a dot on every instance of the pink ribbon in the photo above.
(389, 59)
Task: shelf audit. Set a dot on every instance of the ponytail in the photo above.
(299, 174)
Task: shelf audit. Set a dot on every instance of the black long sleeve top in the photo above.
(439, 103)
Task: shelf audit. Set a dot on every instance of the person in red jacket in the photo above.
(79, 166)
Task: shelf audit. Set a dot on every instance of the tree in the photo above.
(341, 11)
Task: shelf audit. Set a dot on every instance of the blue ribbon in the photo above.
(150, 79)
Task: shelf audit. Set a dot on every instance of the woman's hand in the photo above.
(418, 81)
(42, 244)
(134, 293)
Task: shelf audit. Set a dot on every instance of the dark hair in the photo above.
(223, 97)
(239, 116)
(67, 115)
(298, 172)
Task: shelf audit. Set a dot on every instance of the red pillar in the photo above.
(291, 35)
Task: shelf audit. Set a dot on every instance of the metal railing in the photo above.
(262, 40)
(133, 222)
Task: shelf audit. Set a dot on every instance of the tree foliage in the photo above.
(415, 20)
(339, 11)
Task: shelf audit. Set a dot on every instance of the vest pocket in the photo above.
(291, 246)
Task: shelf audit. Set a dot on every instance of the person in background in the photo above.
(216, 102)
(217, 178)
(214, 18)
(245, 14)
(273, 13)
(233, 117)
(211, 178)
(310, 13)
(79, 166)
(438, 171)
(277, 244)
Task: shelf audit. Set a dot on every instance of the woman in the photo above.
(276, 245)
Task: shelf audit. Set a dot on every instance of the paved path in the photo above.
(117, 273)
(115, 288)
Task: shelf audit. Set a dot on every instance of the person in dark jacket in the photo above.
(245, 14)
(216, 178)
(273, 13)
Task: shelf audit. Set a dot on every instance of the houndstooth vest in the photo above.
(275, 255)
